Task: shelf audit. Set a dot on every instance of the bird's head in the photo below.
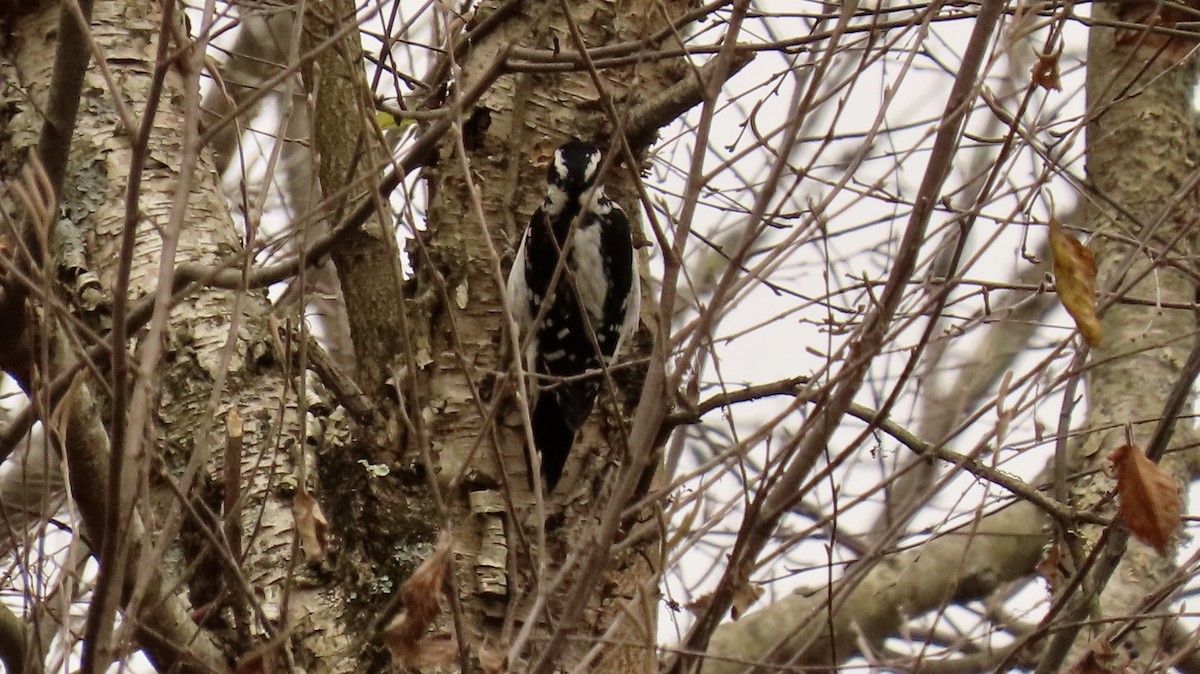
(573, 171)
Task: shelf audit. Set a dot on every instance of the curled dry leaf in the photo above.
(1075, 278)
(312, 525)
(744, 598)
(1050, 566)
(1150, 502)
(700, 604)
(407, 635)
(1045, 71)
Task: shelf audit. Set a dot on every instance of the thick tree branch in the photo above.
(419, 154)
(347, 148)
(647, 117)
(71, 58)
(165, 628)
(822, 626)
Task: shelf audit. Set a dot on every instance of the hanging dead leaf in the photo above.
(700, 604)
(1045, 71)
(1050, 566)
(744, 598)
(1150, 502)
(312, 525)
(1075, 278)
(423, 593)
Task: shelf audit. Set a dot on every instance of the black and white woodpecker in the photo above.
(589, 312)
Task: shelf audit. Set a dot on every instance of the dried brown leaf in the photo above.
(699, 605)
(1075, 278)
(1150, 502)
(1045, 71)
(744, 598)
(1050, 566)
(422, 594)
(312, 525)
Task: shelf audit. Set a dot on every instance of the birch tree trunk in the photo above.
(484, 185)
(213, 386)
(1142, 154)
(202, 458)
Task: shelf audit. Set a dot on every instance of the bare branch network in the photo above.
(910, 389)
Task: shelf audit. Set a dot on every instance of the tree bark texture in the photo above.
(824, 626)
(224, 362)
(1142, 154)
(483, 191)
(349, 152)
(220, 356)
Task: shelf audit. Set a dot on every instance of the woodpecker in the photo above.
(589, 312)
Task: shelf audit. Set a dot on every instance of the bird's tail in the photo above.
(557, 417)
